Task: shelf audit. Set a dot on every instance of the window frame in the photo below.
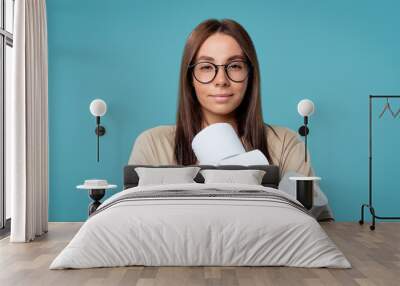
(6, 39)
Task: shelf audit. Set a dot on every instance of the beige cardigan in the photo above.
(155, 146)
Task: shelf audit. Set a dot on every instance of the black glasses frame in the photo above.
(192, 66)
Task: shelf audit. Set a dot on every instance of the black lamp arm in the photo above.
(303, 131)
(100, 131)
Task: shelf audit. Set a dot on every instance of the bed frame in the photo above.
(270, 179)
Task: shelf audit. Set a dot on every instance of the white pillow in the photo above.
(162, 176)
(249, 177)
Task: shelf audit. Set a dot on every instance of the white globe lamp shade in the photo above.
(98, 107)
(305, 107)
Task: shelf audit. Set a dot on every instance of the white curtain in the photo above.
(27, 123)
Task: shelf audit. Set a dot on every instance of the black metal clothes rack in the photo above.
(369, 205)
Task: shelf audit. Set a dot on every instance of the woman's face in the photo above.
(222, 96)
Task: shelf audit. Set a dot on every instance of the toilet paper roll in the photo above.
(216, 142)
(253, 157)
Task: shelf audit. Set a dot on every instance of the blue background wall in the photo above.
(128, 53)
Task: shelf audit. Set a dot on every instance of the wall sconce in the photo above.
(98, 108)
(305, 108)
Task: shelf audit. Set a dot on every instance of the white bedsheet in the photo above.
(200, 231)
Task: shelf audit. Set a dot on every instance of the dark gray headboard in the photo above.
(270, 179)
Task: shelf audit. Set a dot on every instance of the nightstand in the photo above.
(97, 189)
(305, 190)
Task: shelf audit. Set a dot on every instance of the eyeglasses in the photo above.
(205, 72)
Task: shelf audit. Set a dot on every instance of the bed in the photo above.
(201, 224)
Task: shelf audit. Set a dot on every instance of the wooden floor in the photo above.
(374, 255)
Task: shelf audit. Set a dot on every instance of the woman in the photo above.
(220, 82)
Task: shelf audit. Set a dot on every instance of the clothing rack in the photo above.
(369, 205)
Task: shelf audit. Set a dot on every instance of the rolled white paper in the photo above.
(253, 157)
(216, 142)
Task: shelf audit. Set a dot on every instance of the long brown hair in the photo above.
(189, 118)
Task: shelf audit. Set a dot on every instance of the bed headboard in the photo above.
(270, 179)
